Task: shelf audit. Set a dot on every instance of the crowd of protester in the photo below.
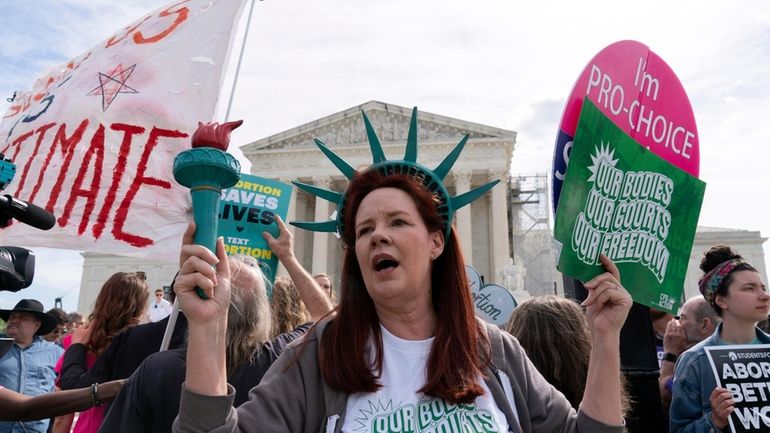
(397, 342)
(113, 355)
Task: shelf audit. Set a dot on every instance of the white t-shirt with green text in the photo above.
(399, 408)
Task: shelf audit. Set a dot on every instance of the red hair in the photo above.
(459, 350)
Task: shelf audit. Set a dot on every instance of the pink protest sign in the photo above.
(640, 93)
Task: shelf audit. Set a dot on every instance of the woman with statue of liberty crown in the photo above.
(403, 350)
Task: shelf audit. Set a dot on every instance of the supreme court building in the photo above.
(482, 225)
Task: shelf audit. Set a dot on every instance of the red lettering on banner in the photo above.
(22, 105)
(17, 142)
(68, 150)
(74, 64)
(38, 96)
(139, 38)
(25, 100)
(40, 135)
(181, 16)
(114, 39)
(117, 173)
(139, 180)
(92, 164)
(96, 150)
(14, 110)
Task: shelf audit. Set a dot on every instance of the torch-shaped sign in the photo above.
(206, 169)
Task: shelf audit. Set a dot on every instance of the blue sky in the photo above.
(503, 63)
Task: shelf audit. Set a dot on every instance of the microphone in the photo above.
(27, 213)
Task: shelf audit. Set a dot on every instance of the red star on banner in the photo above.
(113, 83)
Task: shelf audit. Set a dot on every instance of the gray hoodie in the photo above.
(293, 397)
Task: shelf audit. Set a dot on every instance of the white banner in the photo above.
(95, 139)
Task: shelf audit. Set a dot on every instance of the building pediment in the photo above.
(346, 129)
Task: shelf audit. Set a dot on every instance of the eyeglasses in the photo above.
(141, 275)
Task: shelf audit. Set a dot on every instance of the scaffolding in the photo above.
(531, 233)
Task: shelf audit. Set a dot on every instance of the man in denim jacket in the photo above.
(28, 365)
(694, 378)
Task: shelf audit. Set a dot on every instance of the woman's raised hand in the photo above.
(608, 303)
(200, 267)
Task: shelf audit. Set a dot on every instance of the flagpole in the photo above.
(240, 59)
(169, 332)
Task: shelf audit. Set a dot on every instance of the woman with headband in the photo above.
(404, 351)
(736, 291)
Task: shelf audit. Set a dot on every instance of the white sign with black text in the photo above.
(745, 371)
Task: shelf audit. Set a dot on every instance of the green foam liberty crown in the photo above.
(433, 180)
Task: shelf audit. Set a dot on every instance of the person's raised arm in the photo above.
(316, 301)
(19, 407)
(207, 318)
(607, 307)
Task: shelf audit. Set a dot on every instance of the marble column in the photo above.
(320, 239)
(499, 253)
(462, 179)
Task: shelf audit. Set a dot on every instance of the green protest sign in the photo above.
(621, 200)
(246, 210)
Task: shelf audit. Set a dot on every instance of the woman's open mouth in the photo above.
(383, 262)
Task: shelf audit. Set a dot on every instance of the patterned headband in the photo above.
(709, 283)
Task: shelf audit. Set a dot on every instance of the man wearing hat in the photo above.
(28, 366)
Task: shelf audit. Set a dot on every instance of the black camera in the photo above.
(17, 268)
